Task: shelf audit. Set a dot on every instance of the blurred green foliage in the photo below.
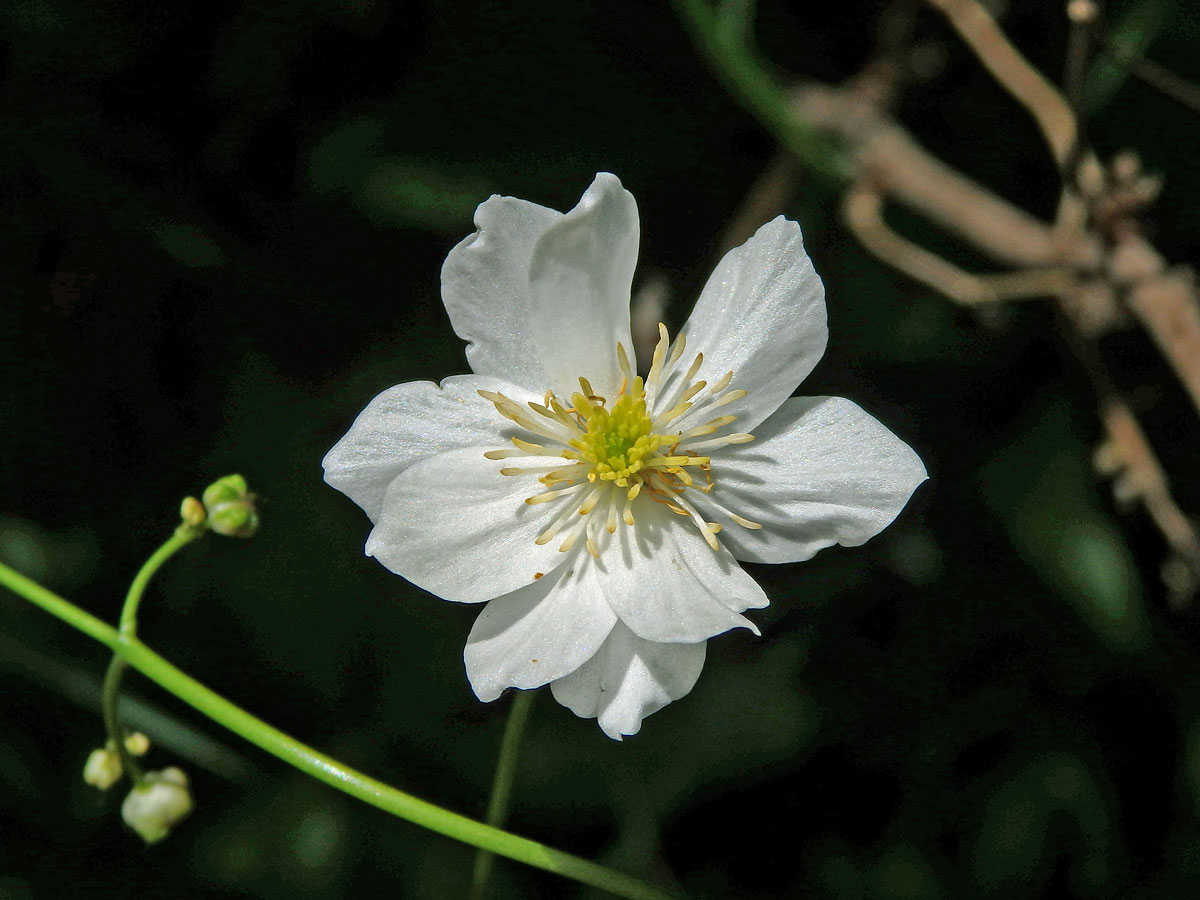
(224, 225)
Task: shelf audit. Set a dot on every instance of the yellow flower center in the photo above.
(644, 443)
(618, 442)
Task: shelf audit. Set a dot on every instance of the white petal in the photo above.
(821, 472)
(629, 679)
(761, 314)
(536, 634)
(453, 525)
(485, 286)
(580, 278)
(409, 422)
(663, 580)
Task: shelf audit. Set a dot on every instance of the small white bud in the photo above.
(137, 743)
(102, 769)
(156, 806)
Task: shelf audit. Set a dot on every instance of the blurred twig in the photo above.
(1093, 260)
(745, 76)
(1128, 457)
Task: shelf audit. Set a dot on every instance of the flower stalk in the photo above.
(187, 532)
(325, 768)
(506, 769)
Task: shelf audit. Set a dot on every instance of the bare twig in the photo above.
(905, 171)
(862, 211)
(1166, 306)
(1014, 73)
(1128, 457)
(1093, 260)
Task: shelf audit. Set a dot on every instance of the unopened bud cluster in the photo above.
(227, 508)
(103, 767)
(155, 805)
(231, 509)
(158, 804)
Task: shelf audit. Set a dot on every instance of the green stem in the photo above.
(325, 768)
(745, 77)
(183, 536)
(111, 693)
(506, 768)
(112, 723)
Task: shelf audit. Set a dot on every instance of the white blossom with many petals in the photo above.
(600, 515)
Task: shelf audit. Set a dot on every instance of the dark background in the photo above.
(223, 227)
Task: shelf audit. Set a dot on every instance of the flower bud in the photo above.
(192, 512)
(231, 510)
(157, 805)
(103, 768)
(137, 743)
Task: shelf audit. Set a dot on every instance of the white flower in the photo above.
(157, 805)
(601, 517)
(103, 768)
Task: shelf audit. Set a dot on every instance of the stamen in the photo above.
(656, 365)
(571, 473)
(554, 415)
(740, 438)
(677, 351)
(623, 362)
(590, 501)
(566, 514)
(592, 546)
(737, 520)
(547, 496)
(682, 474)
(723, 382)
(694, 390)
(603, 452)
(573, 536)
(710, 535)
(679, 461)
(745, 523)
(535, 449)
(674, 414)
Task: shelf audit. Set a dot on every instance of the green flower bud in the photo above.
(103, 768)
(137, 743)
(157, 805)
(192, 512)
(231, 509)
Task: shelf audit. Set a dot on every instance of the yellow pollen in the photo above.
(601, 445)
(619, 442)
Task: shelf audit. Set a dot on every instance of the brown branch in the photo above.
(862, 211)
(1128, 457)
(1013, 72)
(905, 171)
(1166, 306)
(1086, 260)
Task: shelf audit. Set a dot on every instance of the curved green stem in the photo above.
(183, 536)
(747, 79)
(110, 695)
(506, 769)
(325, 768)
(112, 722)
